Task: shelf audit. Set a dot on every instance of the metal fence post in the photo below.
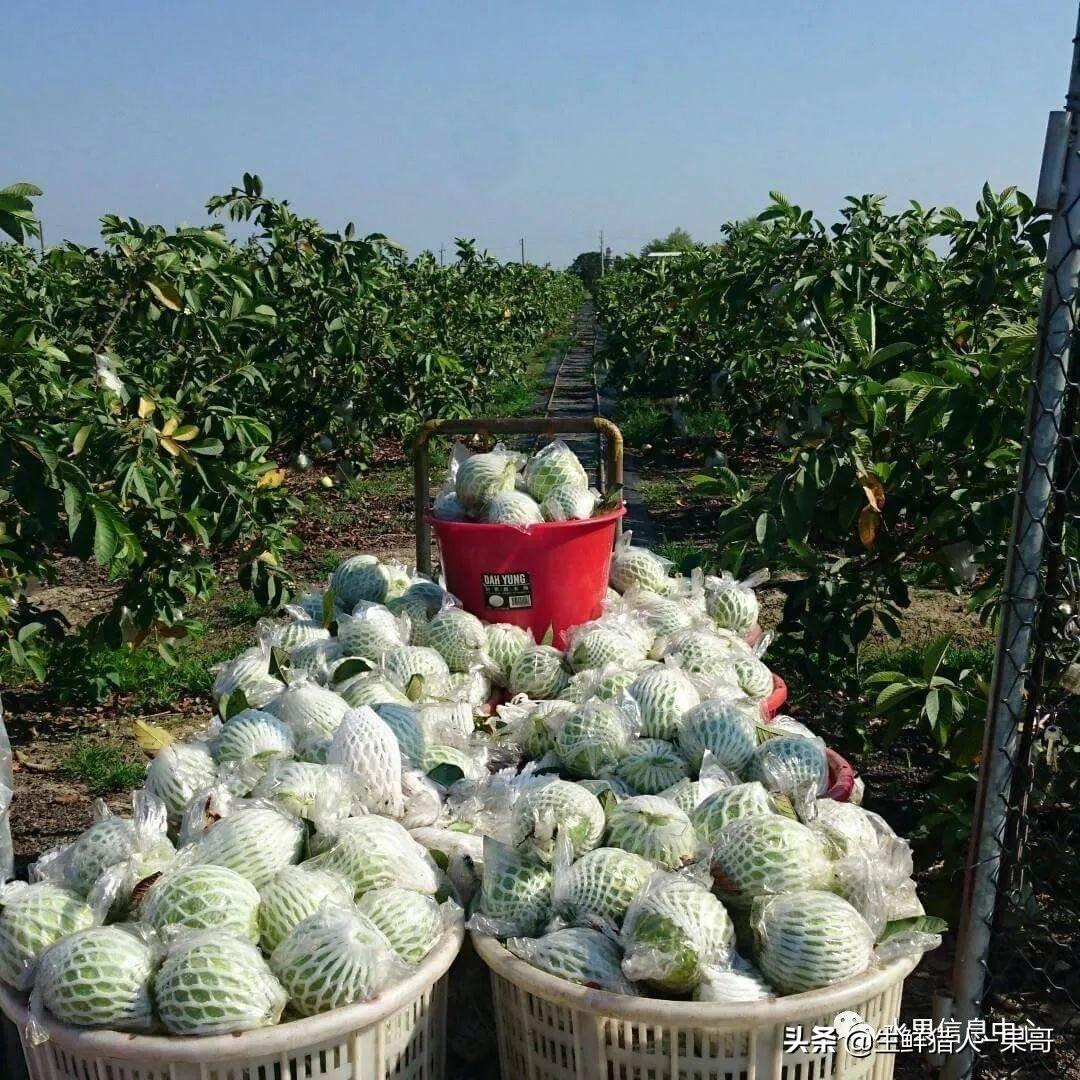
(1010, 698)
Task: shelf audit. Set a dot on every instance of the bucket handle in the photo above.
(499, 425)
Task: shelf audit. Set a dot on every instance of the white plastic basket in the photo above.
(550, 1029)
(402, 1034)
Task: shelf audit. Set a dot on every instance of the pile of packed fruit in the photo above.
(623, 813)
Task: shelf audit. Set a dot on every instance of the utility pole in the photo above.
(442, 252)
(601, 252)
(523, 251)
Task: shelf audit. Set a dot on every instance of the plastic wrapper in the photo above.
(587, 957)
(253, 735)
(729, 804)
(515, 893)
(101, 977)
(570, 504)
(513, 508)
(459, 637)
(370, 688)
(372, 630)
(912, 935)
(33, 918)
(448, 722)
(478, 478)
(312, 711)
(504, 643)
(293, 894)
(297, 631)
(782, 724)
(313, 605)
(675, 933)
(202, 897)
(405, 722)
(554, 468)
(547, 808)
(249, 673)
(649, 766)
(605, 682)
(316, 660)
(793, 766)
(309, 790)
(862, 884)
(363, 577)
(472, 688)
(595, 737)
(539, 672)
(255, 840)
(447, 764)
(714, 769)
(808, 939)
(688, 794)
(212, 983)
(109, 842)
(707, 654)
(766, 854)
(532, 725)
(410, 921)
(372, 852)
(732, 604)
(422, 799)
(656, 829)
(725, 727)
(638, 567)
(179, 771)
(368, 751)
(418, 671)
(604, 641)
(421, 602)
(665, 616)
(596, 890)
(460, 855)
(334, 958)
(742, 983)
(664, 695)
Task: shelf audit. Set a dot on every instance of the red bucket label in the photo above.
(507, 592)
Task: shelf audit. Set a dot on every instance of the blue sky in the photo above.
(549, 120)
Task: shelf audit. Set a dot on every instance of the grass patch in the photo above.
(380, 482)
(908, 659)
(78, 674)
(329, 560)
(661, 494)
(641, 420)
(644, 421)
(686, 555)
(104, 767)
(515, 397)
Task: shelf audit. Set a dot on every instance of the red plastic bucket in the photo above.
(552, 575)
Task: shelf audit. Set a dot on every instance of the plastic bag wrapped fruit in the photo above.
(554, 468)
(480, 477)
(766, 854)
(675, 933)
(578, 955)
(293, 894)
(333, 958)
(213, 983)
(655, 829)
(808, 939)
(99, 977)
(597, 889)
(33, 918)
(637, 567)
(548, 808)
(203, 897)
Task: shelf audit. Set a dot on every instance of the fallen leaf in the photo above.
(150, 737)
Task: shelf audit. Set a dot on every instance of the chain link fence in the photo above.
(1018, 961)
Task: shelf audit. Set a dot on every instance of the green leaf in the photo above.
(106, 539)
(79, 441)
